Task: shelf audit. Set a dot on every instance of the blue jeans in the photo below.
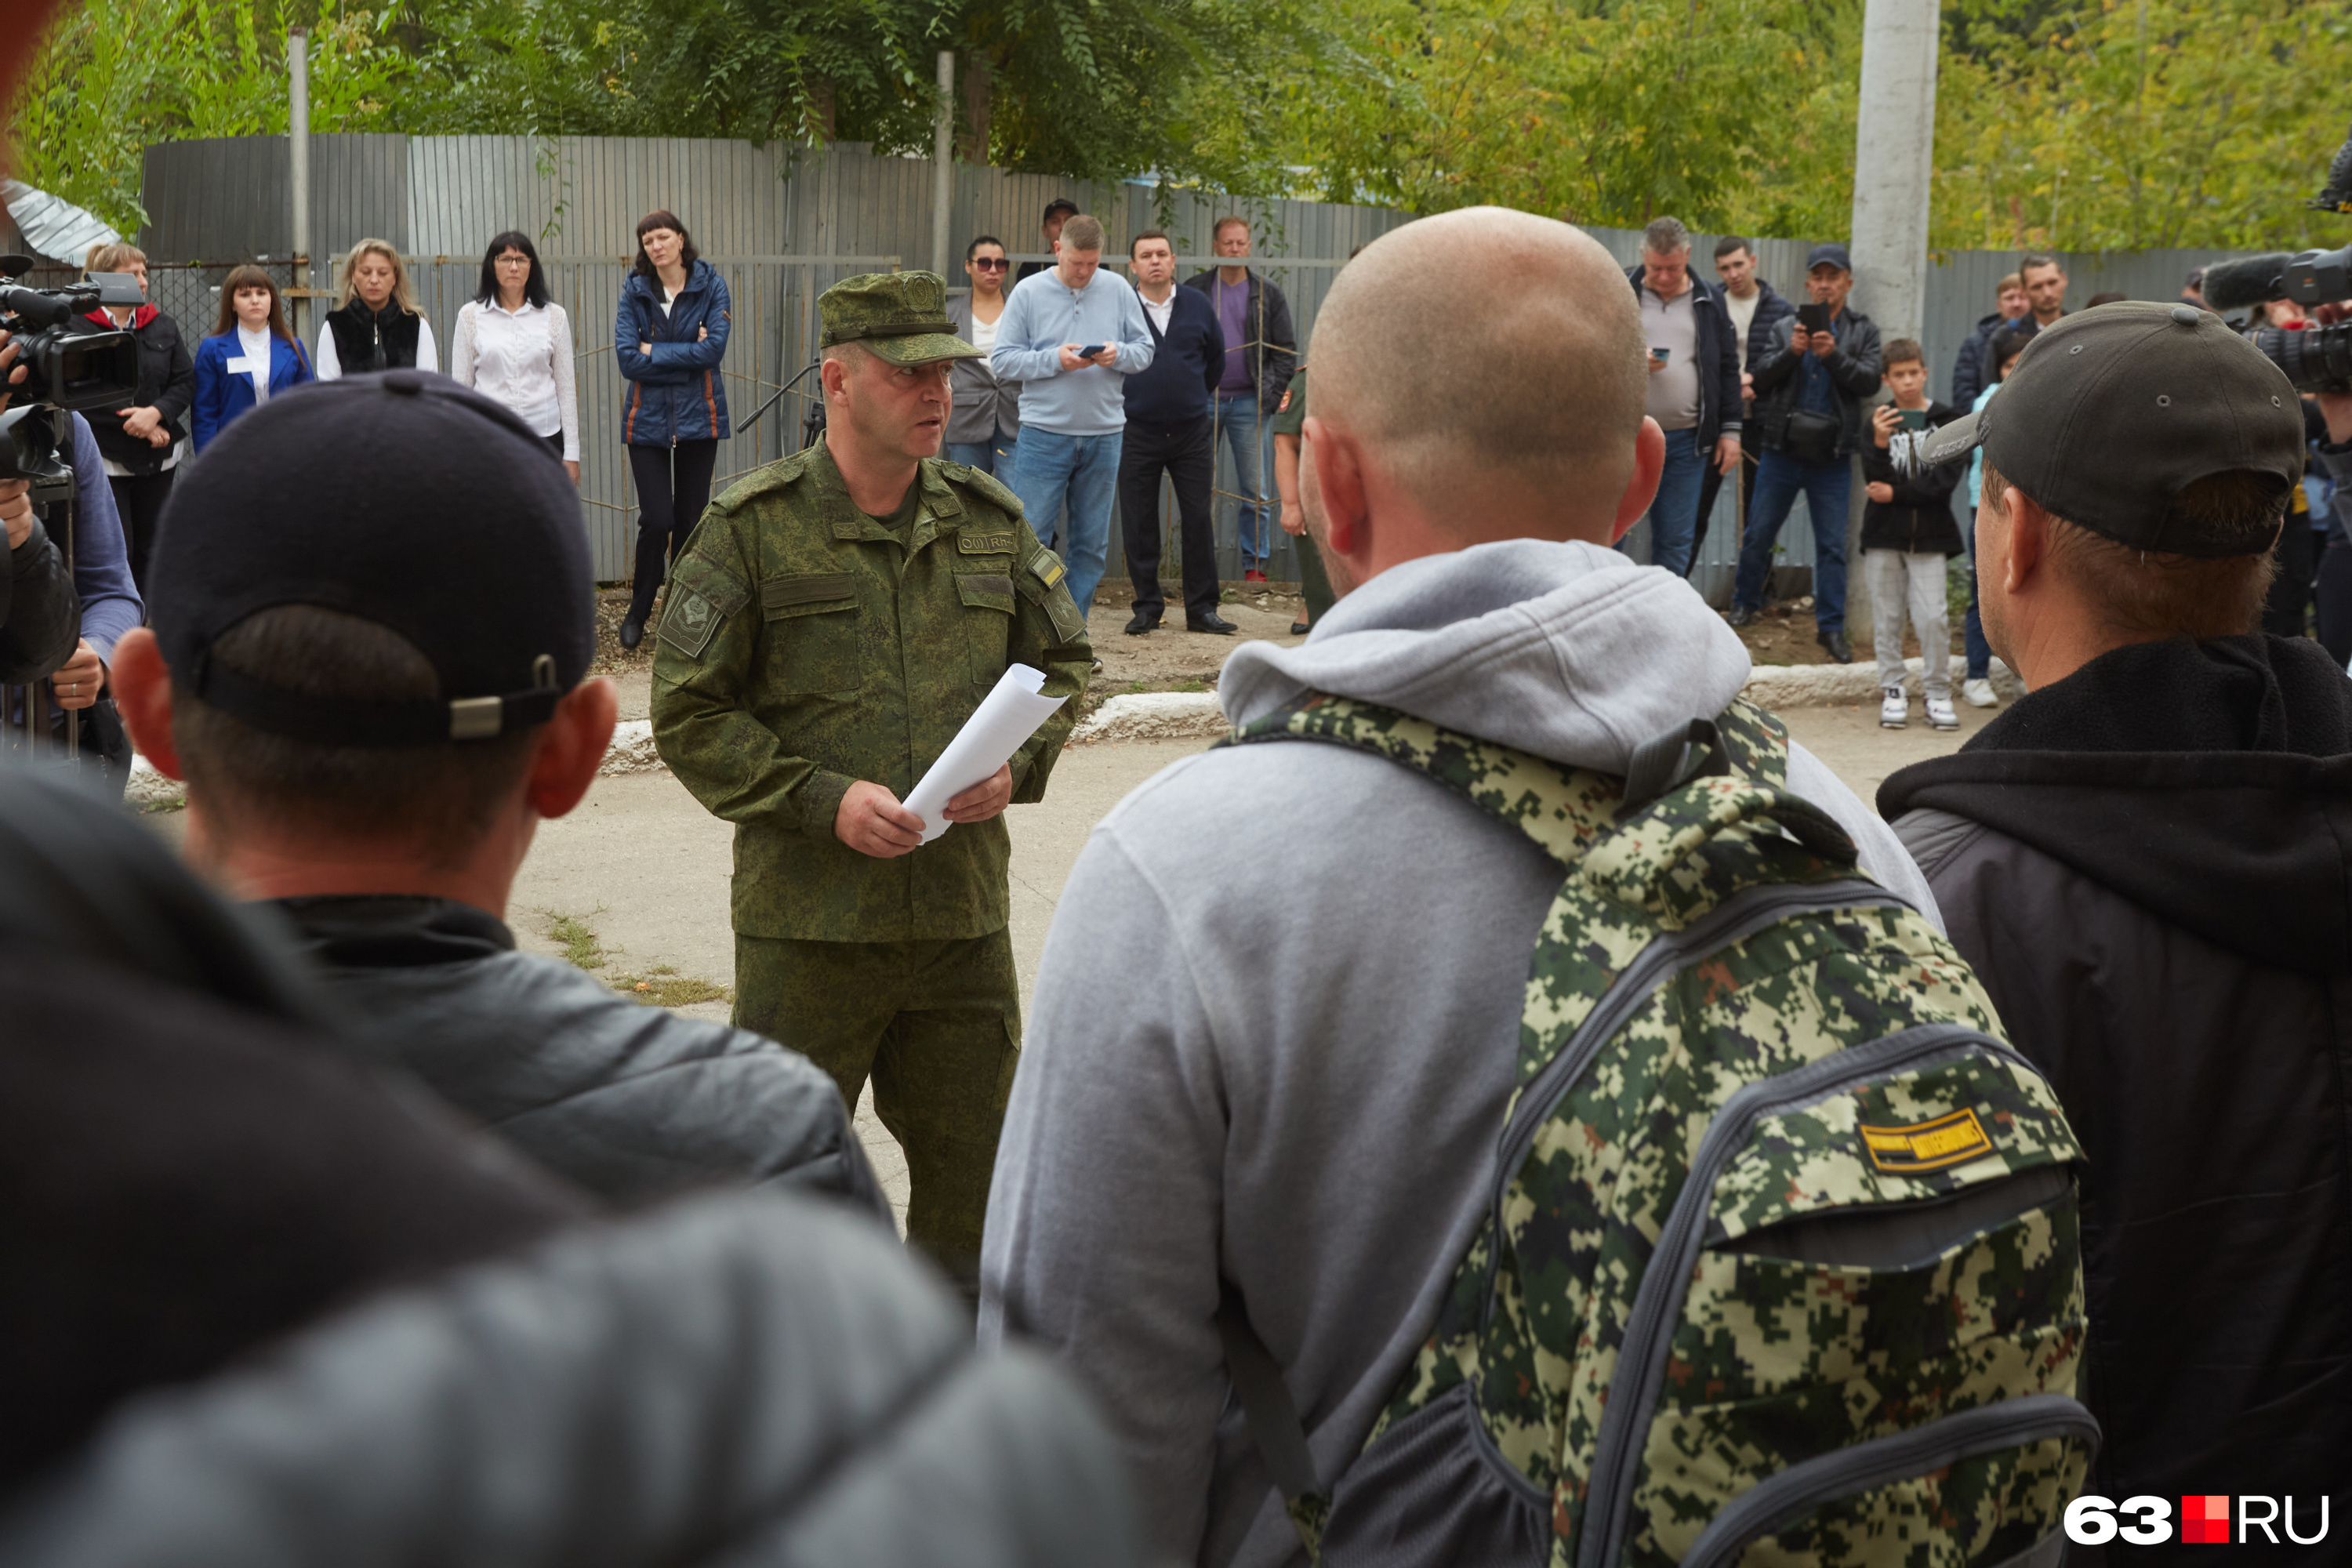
(1673, 512)
(1979, 650)
(1828, 489)
(1236, 418)
(989, 457)
(1050, 470)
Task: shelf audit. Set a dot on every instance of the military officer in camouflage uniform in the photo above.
(835, 619)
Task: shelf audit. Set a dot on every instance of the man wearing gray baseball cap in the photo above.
(2147, 861)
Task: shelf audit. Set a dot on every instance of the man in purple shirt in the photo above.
(1261, 352)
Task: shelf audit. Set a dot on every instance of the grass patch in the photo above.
(1189, 686)
(582, 948)
(662, 986)
(164, 807)
(1137, 687)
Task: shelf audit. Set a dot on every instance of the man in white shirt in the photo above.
(1754, 308)
(1168, 432)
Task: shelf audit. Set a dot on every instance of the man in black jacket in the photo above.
(1809, 394)
(1970, 375)
(370, 746)
(1694, 386)
(2146, 861)
(1755, 308)
(1168, 433)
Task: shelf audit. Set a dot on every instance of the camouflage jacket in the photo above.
(805, 648)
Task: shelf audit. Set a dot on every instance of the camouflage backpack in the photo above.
(1781, 1264)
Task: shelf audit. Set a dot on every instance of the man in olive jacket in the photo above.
(837, 618)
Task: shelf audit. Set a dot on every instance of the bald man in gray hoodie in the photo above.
(1288, 1072)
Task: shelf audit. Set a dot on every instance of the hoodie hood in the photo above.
(2210, 783)
(1568, 651)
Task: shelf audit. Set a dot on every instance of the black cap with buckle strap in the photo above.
(401, 499)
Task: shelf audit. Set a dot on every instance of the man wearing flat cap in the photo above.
(836, 618)
(2145, 860)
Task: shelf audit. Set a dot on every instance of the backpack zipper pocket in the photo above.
(1735, 920)
(1642, 1353)
(1773, 1505)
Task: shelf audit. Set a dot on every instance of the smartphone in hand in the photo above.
(1812, 317)
(1091, 351)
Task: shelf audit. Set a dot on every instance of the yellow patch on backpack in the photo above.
(1952, 1140)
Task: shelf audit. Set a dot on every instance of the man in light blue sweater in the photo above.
(1073, 403)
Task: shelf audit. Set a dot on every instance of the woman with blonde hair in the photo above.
(142, 444)
(375, 324)
(251, 356)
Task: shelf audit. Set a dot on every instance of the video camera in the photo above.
(2317, 359)
(71, 365)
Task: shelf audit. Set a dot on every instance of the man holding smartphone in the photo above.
(1694, 388)
(1809, 395)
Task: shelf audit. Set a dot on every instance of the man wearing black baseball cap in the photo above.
(2145, 859)
(374, 617)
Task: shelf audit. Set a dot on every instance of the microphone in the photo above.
(2230, 285)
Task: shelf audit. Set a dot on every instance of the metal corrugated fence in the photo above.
(781, 223)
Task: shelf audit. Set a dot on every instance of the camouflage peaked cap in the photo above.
(900, 316)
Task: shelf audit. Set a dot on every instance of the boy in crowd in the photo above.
(1907, 536)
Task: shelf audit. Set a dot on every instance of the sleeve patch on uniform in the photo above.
(687, 623)
(1049, 569)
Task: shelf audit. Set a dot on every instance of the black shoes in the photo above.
(632, 632)
(1144, 621)
(1841, 651)
(1212, 623)
(1739, 617)
(1299, 628)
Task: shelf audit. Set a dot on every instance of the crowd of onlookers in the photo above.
(331, 1221)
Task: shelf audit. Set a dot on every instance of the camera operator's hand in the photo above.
(1884, 422)
(81, 679)
(2335, 407)
(16, 510)
(13, 373)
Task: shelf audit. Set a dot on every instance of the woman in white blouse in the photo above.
(514, 346)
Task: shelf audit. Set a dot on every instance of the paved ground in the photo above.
(644, 865)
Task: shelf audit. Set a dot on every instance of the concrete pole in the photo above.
(298, 132)
(944, 163)
(1894, 143)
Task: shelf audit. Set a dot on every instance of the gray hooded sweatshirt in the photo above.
(1279, 1009)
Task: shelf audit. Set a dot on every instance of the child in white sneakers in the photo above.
(1907, 535)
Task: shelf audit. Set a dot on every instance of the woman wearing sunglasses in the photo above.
(985, 421)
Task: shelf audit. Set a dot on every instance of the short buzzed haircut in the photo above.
(1231, 220)
(441, 796)
(1665, 237)
(1903, 351)
(1537, 380)
(1082, 233)
(1136, 243)
(1731, 244)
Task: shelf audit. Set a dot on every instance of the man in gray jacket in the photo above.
(1294, 1087)
(370, 744)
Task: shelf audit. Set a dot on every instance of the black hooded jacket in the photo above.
(2147, 864)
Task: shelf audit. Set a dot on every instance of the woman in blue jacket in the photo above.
(250, 358)
(669, 336)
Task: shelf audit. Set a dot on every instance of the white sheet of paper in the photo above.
(999, 727)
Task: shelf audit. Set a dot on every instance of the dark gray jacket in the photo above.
(2146, 863)
(1271, 349)
(40, 613)
(983, 405)
(632, 1102)
(737, 1380)
(1853, 367)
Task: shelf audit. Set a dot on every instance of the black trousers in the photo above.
(1713, 483)
(1187, 454)
(672, 486)
(139, 499)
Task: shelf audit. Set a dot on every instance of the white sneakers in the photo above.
(1978, 693)
(1939, 713)
(1894, 709)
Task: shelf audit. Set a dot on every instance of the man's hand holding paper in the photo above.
(872, 821)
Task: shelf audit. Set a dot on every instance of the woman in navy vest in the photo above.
(669, 336)
(250, 358)
(375, 324)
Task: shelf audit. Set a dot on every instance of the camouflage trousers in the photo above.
(936, 1024)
